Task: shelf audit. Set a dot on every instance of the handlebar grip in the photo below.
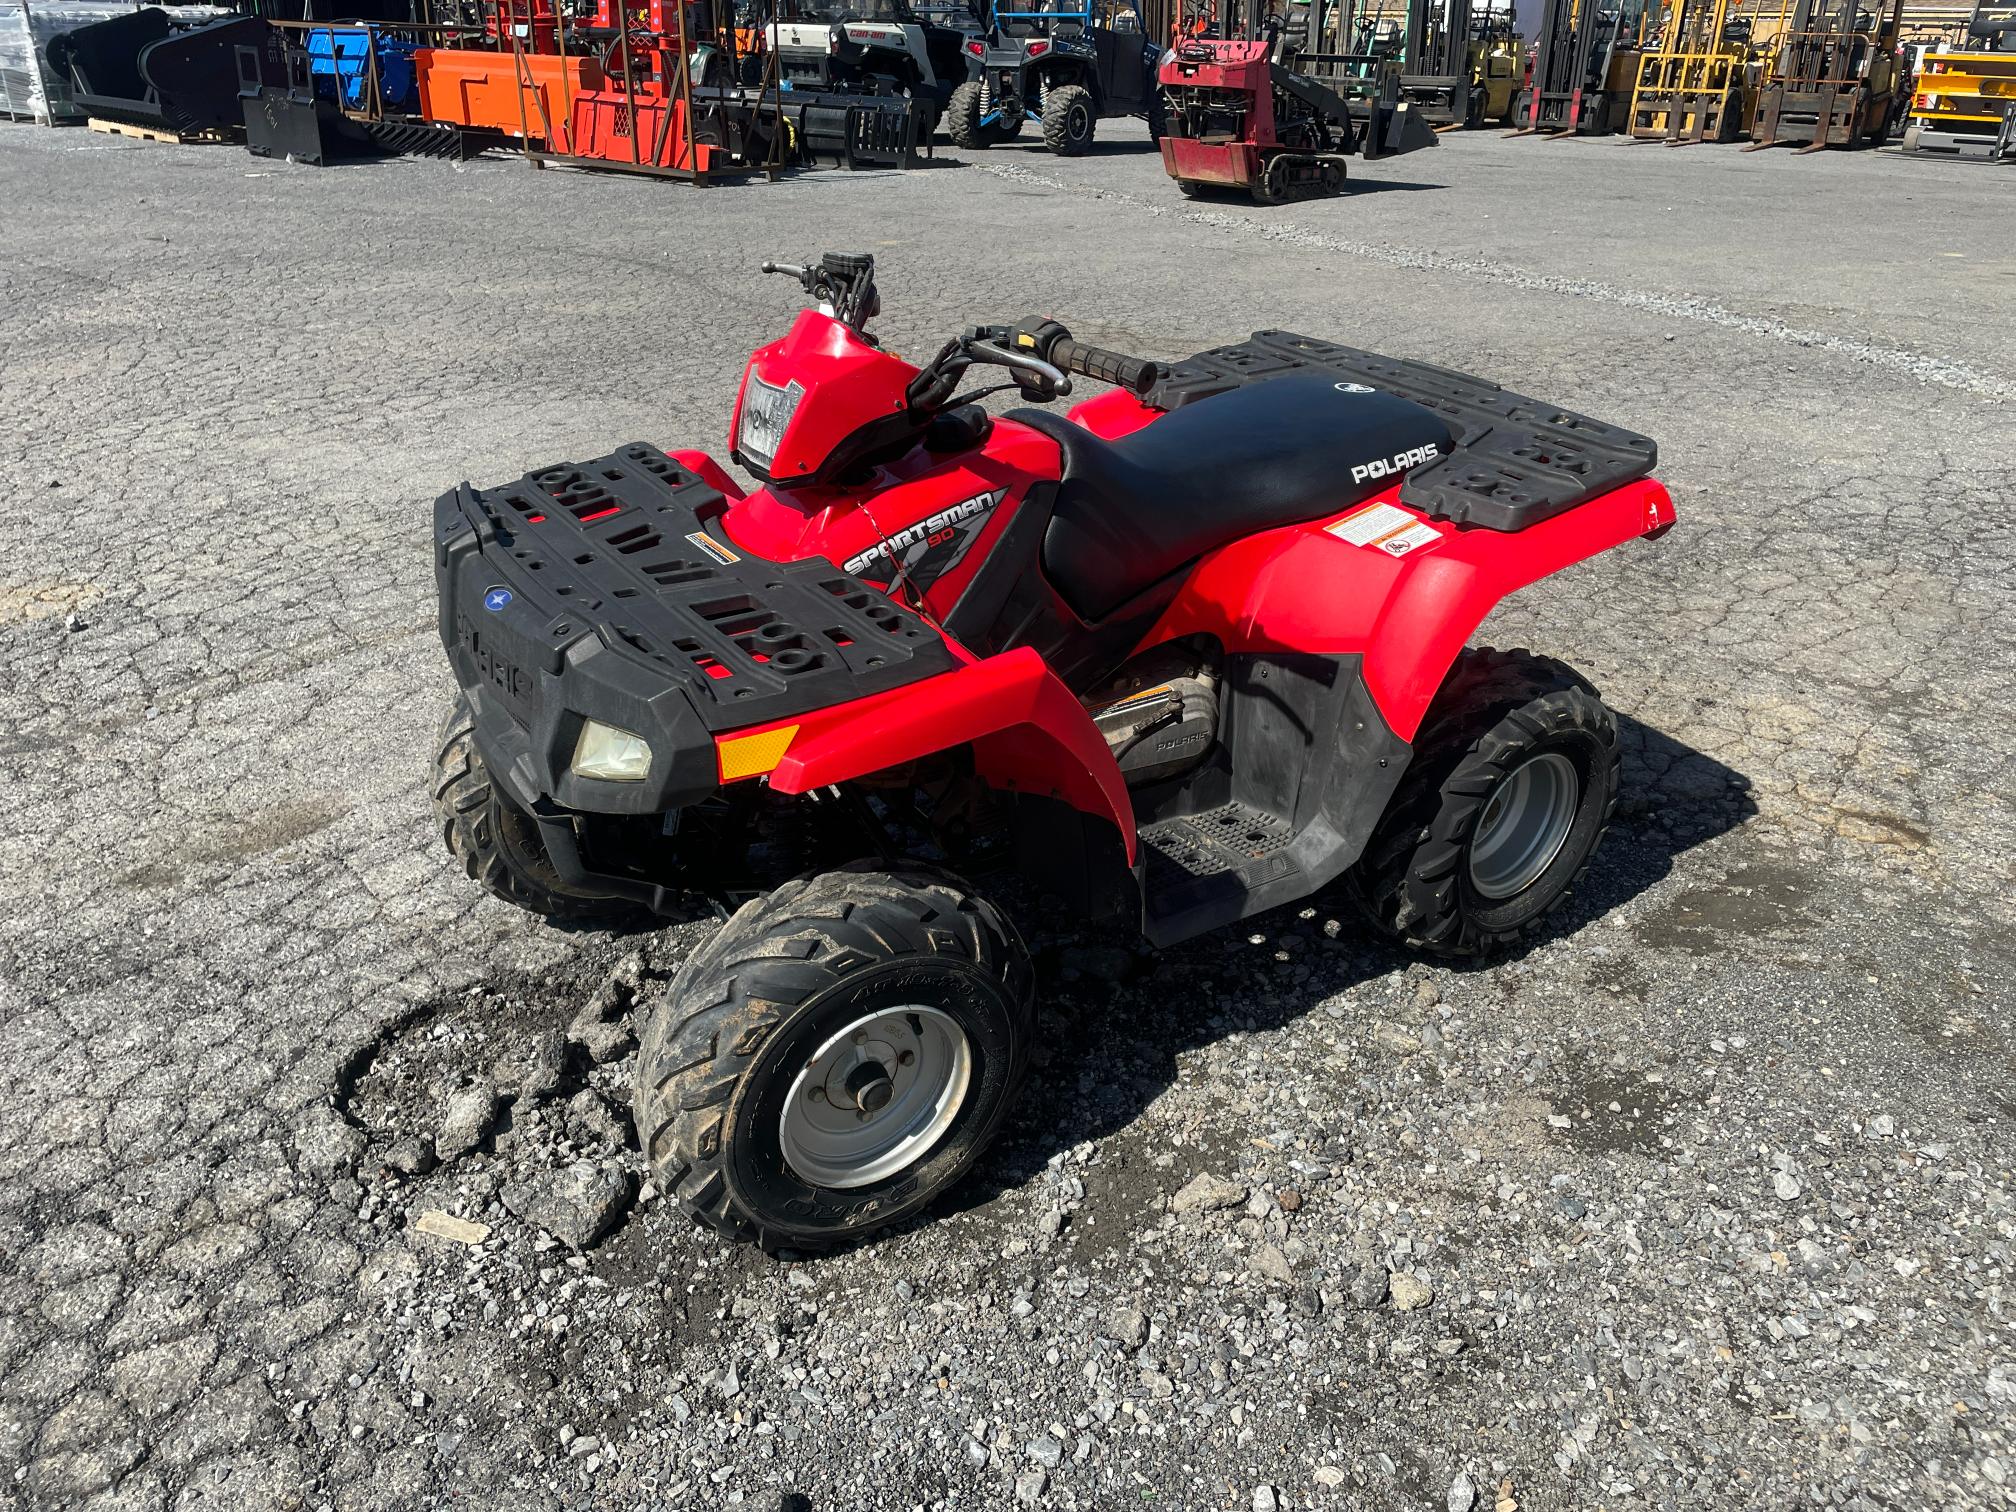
(1135, 374)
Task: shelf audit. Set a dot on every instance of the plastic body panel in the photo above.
(1027, 732)
(844, 384)
(1302, 588)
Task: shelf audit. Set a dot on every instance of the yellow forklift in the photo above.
(1695, 81)
(1835, 77)
(1964, 101)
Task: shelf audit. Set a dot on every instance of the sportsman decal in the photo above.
(923, 553)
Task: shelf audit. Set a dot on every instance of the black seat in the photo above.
(1131, 512)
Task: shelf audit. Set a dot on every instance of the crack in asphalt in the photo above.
(1890, 359)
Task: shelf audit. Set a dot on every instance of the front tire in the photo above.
(1068, 118)
(774, 1096)
(496, 841)
(1511, 787)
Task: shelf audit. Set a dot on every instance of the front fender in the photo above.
(1026, 731)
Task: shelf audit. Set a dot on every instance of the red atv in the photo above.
(1192, 653)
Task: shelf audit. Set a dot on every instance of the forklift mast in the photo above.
(1693, 86)
(1835, 76)
(1571, 90)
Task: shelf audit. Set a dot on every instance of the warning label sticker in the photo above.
(1385, 527)
(713, 548)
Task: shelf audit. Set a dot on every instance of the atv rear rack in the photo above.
(1517, 461)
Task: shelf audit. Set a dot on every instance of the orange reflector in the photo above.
(753, 755)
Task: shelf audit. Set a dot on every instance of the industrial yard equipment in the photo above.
(1964, 100)
(1191, 653)
(874, 46)
(1242, 115)
(319, 92)
(1584, 67)
(648, 115)
(1835, 78)
(1463, 66)
(1694, 83)
(1065, 65)
(167, 70)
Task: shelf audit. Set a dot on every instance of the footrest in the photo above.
(1220, 853)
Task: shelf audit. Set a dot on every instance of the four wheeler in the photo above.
(1190, 653)
(1065, 64)
(877, 46)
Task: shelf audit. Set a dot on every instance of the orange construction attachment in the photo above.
(528, 95)
(639, 131)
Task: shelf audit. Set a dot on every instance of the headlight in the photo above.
(766, 415)
(609, 753)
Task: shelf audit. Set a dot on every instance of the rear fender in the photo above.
(1437, 606)
(1302, 588)
(1027, 734)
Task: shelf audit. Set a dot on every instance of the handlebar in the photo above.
(1052, 342)
(1135, 374)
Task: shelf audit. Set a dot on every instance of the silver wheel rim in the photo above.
(1524, 825)
(876, 1097)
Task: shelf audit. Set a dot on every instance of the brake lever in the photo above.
(1052, 378)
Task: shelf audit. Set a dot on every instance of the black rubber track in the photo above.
(497, 844)
(1495, 709)
(748, 984)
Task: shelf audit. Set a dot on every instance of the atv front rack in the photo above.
(608, 591)
(1517, 461)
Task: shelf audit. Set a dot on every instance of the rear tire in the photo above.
(962, 119)
(845, 963)
(1068, 118)
(496, 841)
(1492, 764)
(1158, 117)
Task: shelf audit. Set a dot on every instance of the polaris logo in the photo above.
(943, 531)
(1386, 467)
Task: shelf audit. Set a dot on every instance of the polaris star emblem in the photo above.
(496, 598)
(923, 553)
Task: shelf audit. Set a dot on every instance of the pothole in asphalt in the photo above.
(513, 1094)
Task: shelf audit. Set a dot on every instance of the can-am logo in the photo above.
(926, 551)
(1387, 466)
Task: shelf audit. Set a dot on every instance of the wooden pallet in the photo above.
(154, 133)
